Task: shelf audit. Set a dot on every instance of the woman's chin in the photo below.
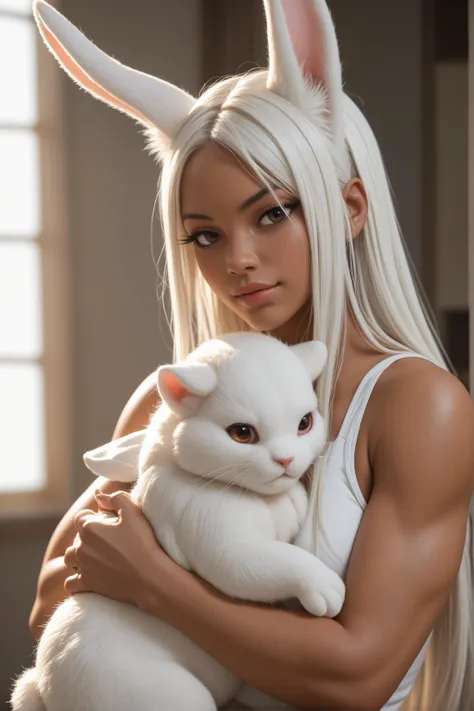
(265, 320)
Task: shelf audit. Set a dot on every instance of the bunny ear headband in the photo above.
(302, 47)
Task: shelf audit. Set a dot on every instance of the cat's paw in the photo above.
(323, 593)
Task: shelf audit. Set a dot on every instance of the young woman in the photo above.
(277, 217)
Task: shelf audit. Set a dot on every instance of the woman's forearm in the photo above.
(304, 661)
(50, 593)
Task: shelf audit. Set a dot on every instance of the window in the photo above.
(34, 379)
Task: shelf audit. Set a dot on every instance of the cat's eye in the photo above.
(242, 433)
(306, 424)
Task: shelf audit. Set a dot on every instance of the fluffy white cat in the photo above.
(219, 471)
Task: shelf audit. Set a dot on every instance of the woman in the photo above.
(274, 183)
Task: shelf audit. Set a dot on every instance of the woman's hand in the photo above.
(115, 555)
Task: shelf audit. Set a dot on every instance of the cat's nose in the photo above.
(285, 463)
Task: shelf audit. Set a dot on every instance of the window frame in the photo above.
(53, 242)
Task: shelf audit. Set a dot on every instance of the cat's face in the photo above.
(258, 429)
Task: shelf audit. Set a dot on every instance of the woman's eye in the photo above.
(306, 424)
(202, 239)
(205, 239)
(242, 433)
(276, 214)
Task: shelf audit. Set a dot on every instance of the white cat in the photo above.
(219, 469)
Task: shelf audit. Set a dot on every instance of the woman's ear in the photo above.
(357, 203)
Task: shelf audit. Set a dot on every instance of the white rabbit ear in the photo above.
(302, 46)
(313, 355)
(153, 102)
(183, 387)
(117, 460)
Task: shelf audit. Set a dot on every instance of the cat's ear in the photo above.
(117, 460)
(159, 106)
(303, 47)
(313, 355)
(183, 387)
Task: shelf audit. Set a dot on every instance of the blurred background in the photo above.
(80, 319)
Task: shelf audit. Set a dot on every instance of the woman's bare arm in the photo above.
(50, 590)
(405, 560)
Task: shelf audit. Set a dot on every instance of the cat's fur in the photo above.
(218, 507)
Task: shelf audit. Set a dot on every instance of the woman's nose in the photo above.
(241, 256)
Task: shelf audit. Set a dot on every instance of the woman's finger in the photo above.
(70, 558)
(119, 502)
(74, 584)
(82, 516)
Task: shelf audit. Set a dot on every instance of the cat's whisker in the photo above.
(240, 474)
(220, 470)
(216, 474)
(207, 480)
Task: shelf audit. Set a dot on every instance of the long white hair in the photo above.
(370, 273)
(293, 126)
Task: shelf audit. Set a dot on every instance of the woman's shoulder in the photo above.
(420, 383)
(139, 408)
(422, 426)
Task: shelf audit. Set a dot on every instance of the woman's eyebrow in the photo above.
(252, 199)
(244, 206)
(195, 216)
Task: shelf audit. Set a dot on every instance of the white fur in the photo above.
(303, 55)
(160, 106)
(296, 60)
(219, 508)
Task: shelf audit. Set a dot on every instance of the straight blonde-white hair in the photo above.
(371, 274)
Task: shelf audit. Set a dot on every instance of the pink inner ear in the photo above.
(307, 37)
(75, 70)
(174, 387)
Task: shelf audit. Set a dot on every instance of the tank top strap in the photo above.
(359, 402)
(349, 431)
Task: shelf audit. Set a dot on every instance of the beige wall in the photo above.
(471, 193)
(115, 317)
(451, 185)
(381, 52)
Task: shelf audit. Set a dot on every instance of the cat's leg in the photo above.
(176, 689)
(163, 686)
(168, 688)
(150, 686)
(99, 655)
(271, 571)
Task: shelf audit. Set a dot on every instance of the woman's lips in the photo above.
(258, 297)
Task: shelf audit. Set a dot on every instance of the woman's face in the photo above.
(255, 259)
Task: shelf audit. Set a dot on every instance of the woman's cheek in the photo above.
(210, 268)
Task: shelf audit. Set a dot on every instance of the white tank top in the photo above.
(343, 506)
